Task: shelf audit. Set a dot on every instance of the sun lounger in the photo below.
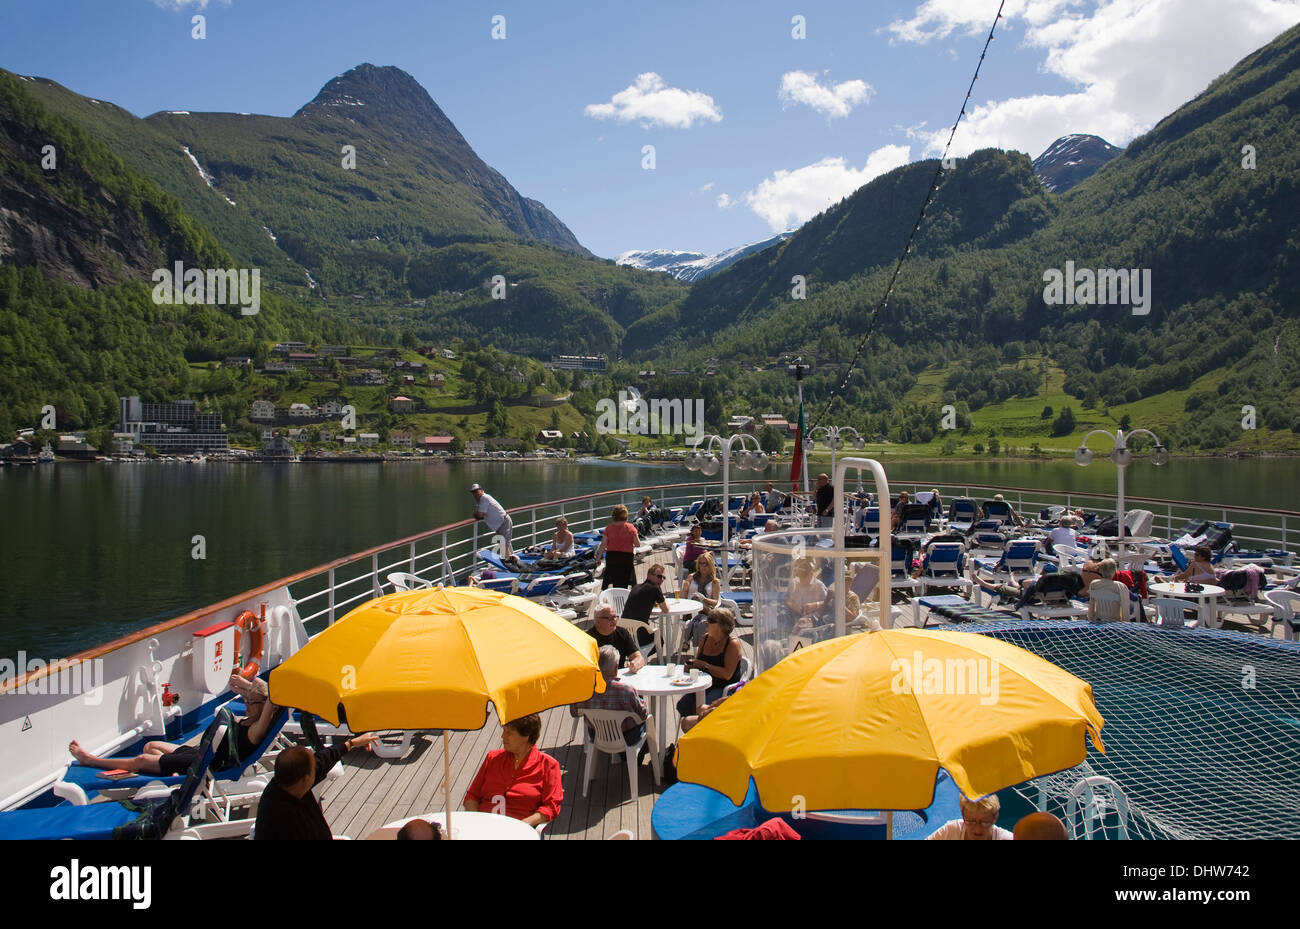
(149, 818)
(82, 782)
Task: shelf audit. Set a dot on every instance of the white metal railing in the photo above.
(448, 553)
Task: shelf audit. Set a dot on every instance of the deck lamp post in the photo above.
(799, 369)
(1122, 457)
(707, 463)
(835, 437)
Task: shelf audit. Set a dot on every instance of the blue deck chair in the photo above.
(915, 518)
(543, 585)
(942, 568)
(146, 819)
(493, 560)
(998, 510)
(962, 513)
(86, 779)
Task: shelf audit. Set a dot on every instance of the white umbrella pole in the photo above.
(446, 781)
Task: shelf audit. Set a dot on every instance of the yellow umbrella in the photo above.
(865, 722)
(432, 659)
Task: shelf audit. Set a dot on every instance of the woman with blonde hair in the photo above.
(617, 544)
(702, 585)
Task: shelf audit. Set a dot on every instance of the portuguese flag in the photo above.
(796, 460)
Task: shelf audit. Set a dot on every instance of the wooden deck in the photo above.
(373, 791)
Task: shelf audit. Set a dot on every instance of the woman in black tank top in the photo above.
(718, 656)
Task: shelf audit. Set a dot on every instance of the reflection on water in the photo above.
(93, 551)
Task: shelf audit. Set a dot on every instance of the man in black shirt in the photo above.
(825, 501)
(288, 808)
(644, 597)
(607, 631)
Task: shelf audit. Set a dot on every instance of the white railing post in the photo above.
(331, 597)
(411, 560)
(374, 575)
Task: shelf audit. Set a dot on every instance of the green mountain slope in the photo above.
(1220, 241)
(415, 231)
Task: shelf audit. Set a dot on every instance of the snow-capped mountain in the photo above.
(693, 266)
(1072, 159)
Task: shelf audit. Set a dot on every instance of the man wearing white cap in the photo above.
(494, 517)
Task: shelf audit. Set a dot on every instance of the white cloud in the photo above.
(725, 202)
(791, 198)
(1133, 62)
(707, 187)
(938, 19)
(183, 4)
(653, 102)
(833, 100)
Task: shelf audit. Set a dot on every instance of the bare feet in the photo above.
(79, 753)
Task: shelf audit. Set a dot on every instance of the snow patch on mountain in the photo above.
(1072, 159)
(692, 266)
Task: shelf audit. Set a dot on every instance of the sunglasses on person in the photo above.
(656, 577)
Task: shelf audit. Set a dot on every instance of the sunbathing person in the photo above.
(166, 760)
(752, 507)
(1201, 569)
(561, 542)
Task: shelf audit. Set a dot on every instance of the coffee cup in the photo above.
(695, 675)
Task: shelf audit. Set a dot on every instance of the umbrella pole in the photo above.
(446, 781)
(889, 825)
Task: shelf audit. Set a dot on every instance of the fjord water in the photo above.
(91, 552)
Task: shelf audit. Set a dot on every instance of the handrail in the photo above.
(411, 540)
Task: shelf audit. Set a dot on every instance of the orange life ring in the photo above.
(248, 620)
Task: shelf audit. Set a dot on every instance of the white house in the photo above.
(262, 409)
(299, 411)
(369, 438)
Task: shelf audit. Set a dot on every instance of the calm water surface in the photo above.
(93, 551)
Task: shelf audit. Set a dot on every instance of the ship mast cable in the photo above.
(898, 266)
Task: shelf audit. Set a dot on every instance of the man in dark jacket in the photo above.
(288, 808)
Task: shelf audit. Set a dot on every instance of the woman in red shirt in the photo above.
(518, 780)
(618, 544)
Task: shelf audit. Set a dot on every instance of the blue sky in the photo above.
(754, 130)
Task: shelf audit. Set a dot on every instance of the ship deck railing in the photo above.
(448, 554)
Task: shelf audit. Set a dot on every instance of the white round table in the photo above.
(653, 681)
(467, 825)
(1205, 606)
(680, 610)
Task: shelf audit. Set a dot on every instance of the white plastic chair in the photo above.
(635, 626)
(404, 581)
(608, 738)
(1108, 602)
(1171, 612)
(615, 597)
(1139, 522)
(1072, 556)
(1286, 604)
(726, 604)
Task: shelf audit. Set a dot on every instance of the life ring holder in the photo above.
(252, 623)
